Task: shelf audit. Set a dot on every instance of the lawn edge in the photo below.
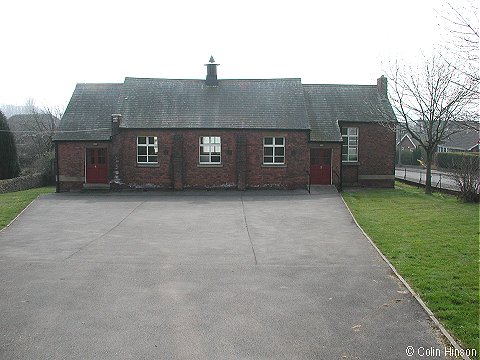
(410, 289)
(20, 213)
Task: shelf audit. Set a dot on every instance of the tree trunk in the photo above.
(428, 180)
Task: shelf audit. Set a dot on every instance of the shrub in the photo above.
(452, 160)
(409, 157)
(9, 167)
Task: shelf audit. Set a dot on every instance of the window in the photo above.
(274, 150)
(147, 150)
(350, 144)
(210, 150)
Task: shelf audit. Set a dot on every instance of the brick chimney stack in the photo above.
(382, 87)
(211, 79)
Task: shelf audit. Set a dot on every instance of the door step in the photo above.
(96, 186)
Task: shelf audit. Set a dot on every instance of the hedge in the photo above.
(409, 157)
(448, 160)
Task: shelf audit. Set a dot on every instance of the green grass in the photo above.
(11, 204)
(433, 242)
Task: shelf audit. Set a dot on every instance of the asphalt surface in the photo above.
(200, 275)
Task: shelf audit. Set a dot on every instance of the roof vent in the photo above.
(211, 72)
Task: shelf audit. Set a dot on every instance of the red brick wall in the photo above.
(71, 163)
(293, 175)
(376, 157)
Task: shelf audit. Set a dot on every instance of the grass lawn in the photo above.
(12, 203)
(433, 241)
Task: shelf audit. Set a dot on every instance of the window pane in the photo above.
(142, 150)
(278, 141)
(268, 159)
(268, 141)
(352, 131)
(344, 157)
(216, 149)
(217, 140)
(142, 159)
(206, 140)
(151, 140)
(279, 151)
(216, 158)
(352, 151)
(152, 150)
(153, 159)
(279, 159)
(142, 140)
(268, 151)
(204, 158)
(353, 158)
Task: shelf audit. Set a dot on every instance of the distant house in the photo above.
(467, 139)
(260, 133)
(407, 143)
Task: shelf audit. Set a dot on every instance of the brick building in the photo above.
(178, 134)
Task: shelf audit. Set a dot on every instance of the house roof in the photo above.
(331, 104)
(21, 122)
(465, 139)
(236, 104)
(88, 114)
(245, 104)
(407, 136)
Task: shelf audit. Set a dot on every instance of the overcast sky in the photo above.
(49, 46)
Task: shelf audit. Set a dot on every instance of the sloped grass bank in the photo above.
(433, 242)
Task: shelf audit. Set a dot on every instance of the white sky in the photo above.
(49, 46)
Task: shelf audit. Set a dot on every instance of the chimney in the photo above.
(211, 72)
(116, 118)
(382, 86)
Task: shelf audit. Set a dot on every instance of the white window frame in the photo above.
(151, 144)
(207, 150)
(274, 146)
(350, 141)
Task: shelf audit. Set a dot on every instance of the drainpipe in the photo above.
(57, 176)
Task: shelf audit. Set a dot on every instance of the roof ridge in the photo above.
(202, 80)
(360, 85)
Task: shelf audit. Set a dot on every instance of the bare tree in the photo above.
(461, 24)
(430, 103)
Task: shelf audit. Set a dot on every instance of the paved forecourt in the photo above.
(200, 275)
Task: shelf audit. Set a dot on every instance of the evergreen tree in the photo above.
(9, 167)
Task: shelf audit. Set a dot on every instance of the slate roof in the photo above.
(20, 122)
(88, 114)
(465, 139)
(331, 104)
(233, 104)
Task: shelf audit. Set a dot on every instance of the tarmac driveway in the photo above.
(207, 275)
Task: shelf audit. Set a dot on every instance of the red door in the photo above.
(97, 170)
(320, 166)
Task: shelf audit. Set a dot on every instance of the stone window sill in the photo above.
(148, 165)
(210, 165)
(274, 165)
(351, 163)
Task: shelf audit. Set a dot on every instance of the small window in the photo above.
(210, 150)
(350, 144)
(274, 150)
(147, 150)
